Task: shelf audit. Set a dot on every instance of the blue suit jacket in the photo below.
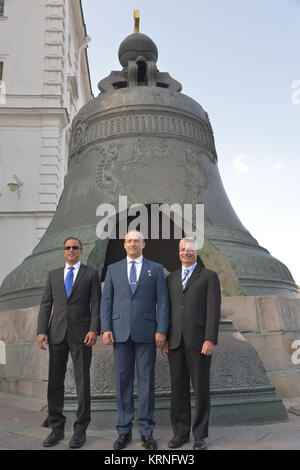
(139, 315)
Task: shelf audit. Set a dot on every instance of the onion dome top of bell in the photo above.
(137, 45)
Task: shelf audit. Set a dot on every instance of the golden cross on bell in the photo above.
(136, 21)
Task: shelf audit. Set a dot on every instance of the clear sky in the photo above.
(240, 59)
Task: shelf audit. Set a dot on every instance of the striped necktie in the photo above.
(185, 278)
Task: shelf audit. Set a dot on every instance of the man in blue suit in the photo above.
(135, 319)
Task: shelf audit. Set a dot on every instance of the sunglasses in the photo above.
(73, 248)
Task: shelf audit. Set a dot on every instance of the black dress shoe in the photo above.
(149, 442)
(78, 439)
(53, 438)
(200, 444)
(178, 441)
(122, 441)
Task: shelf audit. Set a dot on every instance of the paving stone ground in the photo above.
(21, 418)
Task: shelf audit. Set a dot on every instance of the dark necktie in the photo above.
(132, 277)
(69, 281)
(185, 278)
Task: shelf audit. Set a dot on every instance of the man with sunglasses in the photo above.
(69, 322)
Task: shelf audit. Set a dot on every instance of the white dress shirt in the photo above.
(138, 266)
(75, 272)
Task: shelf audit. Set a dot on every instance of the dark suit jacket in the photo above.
(139, 315)
(77, 315)
(195, 311)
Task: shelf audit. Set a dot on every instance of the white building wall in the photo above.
(46, 76)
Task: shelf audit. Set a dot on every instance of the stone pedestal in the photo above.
(25, 371)
(271, 324)
(241, 391)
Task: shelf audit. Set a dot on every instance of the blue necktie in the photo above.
(69, 281)
(185, 278)
(132, 277)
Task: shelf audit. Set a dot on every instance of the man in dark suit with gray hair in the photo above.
(69, 322)
(194, 322)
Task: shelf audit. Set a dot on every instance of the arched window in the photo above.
(142, 72)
